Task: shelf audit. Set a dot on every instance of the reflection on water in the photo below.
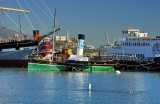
(19, 86)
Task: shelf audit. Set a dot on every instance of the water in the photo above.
(22, 87)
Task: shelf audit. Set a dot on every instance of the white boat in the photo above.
(135, 44)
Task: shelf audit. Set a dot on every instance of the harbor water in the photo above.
(47, 87)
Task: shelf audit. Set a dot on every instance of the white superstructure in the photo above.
(134, 43)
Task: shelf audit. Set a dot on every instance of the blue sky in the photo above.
(90, 17)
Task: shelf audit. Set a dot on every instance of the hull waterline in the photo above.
(55, 67)
(14, 63)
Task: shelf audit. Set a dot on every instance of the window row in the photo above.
(144, 39)
(134, 44)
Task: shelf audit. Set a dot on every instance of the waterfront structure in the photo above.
(60, 38)
(135, 44)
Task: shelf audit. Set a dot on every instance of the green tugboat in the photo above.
(73, 63)
(56, 67)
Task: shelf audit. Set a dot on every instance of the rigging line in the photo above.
(35, 15)
(43, 11)
(45, 5)
(26, 16)
(3, 19)
(50, 11)
(12, 21)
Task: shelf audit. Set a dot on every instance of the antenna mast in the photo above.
(107, 38)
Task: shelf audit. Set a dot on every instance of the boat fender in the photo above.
(73, 68)
(131, 91)
(117, 72)
(89, 87)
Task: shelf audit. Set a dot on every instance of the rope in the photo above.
(3, 19)
(148, 67)
(47, 8)
(43, 11)
(26, 16)
(143, 65)
(35, 15)
(12, 20)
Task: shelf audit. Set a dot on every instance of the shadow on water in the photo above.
(65, 73)
(131, 91)
(12, 69)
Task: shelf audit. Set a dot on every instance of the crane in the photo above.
(14, 9)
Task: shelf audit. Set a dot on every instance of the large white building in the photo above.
(134, 43)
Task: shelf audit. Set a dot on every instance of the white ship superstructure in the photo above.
(137, 44)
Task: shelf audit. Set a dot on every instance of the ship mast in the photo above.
(14, 9)
(54, 26)
(20, 31)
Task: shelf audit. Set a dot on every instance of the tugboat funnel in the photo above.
(36, 34)
(80, 44)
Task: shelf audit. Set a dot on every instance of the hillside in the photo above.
(6, 34)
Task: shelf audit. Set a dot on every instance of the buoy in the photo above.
(131, 91)
(117, 72)
(89, 87)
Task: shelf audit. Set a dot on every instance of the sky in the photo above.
(90, 17)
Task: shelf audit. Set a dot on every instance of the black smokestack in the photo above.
(81, 36)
